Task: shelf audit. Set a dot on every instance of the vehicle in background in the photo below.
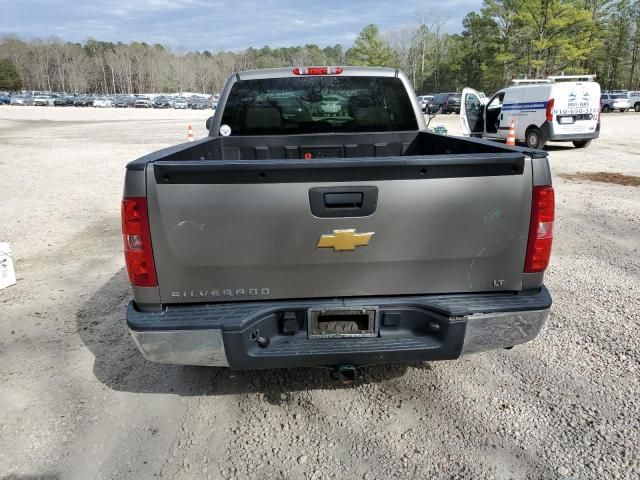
(181, 103)
(290, 240)
(28, 100)
(615, 101)
(634, 100)
(161, 102)
(214, 104)
(557, 108)
(331, 106)
(17, 100)
(444, 103)
(64, 101)
(5, 99)
(84, 101)
(198, 103)
(423, 101)
(143, 101)
(41, 100)
(121, 102)
(102, 102)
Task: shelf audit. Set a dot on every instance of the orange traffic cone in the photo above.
(190, 133)
(511, 136)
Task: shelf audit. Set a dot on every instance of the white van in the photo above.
(560, 109)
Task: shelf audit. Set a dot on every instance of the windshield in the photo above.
(299, 105)
(619, 95)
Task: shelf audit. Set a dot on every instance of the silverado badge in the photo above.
(341, 240)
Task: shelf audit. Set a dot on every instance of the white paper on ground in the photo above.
(7, 273)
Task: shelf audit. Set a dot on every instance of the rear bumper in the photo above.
(439, 327)
(548, 134)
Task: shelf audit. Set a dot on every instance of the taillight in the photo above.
(540, 230)
(550, 104)
(317, 71)
(138, 253)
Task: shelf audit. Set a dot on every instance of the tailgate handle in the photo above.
(327, 202)
(343, 200)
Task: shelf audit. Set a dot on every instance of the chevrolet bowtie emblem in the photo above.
(342, 240)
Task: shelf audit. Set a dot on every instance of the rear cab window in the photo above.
(318, 104)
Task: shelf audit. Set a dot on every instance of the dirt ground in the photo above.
(79, 401)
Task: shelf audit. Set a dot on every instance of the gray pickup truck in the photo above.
(333, 233)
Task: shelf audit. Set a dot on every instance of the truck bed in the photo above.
(234, 219)
(294, 147)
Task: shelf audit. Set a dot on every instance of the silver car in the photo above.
(615, 101)
(180, 103)
(17, 100)
(41, 100)
(634, 100)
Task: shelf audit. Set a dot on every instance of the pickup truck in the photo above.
(288, 238)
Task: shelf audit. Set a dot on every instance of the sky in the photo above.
(221, 25)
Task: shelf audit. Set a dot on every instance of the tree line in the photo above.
(505, 39)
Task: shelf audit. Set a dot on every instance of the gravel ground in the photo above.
(79, 402)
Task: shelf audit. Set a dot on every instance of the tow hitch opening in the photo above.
(340, 323)
(346, 374)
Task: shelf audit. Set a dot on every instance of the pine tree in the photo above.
(10, 79)
(370, 49)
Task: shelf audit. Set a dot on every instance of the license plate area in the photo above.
(342, 322)
(566, 120)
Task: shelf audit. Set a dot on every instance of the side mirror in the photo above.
(209, 122)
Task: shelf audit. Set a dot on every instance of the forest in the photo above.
(505, 39)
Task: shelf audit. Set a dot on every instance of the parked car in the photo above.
(198, 103)
(161, 102)
(102, 102)
(445, 103)
(143, 102)
(121, 102)
(423, 101)
(180, 103)
(40, 100)
(17, 100)
(370, 273)
(84, 101)
(5, 99)
(28, 100)
(331, 106)
(634, 100)
(64, 101)
(615, 101)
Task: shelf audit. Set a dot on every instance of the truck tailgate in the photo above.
(245, 230)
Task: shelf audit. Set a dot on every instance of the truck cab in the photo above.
(562, 109)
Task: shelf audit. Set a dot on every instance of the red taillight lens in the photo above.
(540, 229)
(550, 104)
(138, 253)
(317, 71)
